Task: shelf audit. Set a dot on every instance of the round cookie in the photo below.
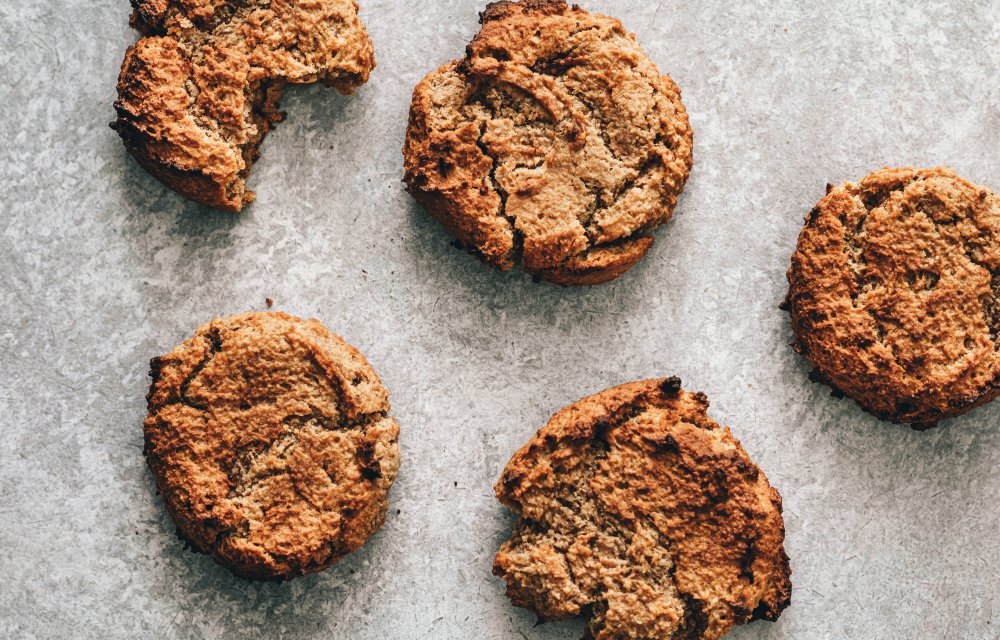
(640, 512)
(555, 142)
(271, 444)
(894, 294)
(198, 93)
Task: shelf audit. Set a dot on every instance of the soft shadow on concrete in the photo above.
(432, 251)
(220, 602)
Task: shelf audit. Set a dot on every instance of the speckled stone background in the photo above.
(892, 533)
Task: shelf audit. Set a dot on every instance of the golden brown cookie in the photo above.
(197, 94)
(637, 510)
(271, 444)
(895, 294)
(555, 142)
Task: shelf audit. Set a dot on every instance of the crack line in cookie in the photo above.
(518, 236)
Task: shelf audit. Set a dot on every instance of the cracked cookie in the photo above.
(198, 93)
(271, 443)
(894, 294)
(554, 142)
(638, 511)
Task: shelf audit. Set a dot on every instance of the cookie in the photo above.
(894, 294)
(271, 444)
(198, 93)
(555, 142)
(638, 511)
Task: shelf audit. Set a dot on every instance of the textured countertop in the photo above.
(892, 533)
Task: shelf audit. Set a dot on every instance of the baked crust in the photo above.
(554, 142)
(198, 93)
(636, 509)
(271, 444)
(893, 294)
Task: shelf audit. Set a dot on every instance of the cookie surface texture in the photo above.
(199, 91)
(637, 510)
(555, 143)
(894, 290)
(271, 444)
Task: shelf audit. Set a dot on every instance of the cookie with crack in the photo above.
(199, 91)
(637, 510)
(894, 294)
(271, 443)
(555, 142)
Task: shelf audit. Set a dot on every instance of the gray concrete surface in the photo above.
(892, 533)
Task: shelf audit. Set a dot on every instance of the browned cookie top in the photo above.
(894, 292)
(198, 93)
(270, 441)
(637, 509)
(555, 141)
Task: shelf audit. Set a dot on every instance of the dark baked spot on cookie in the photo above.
(922, 279)
(558, 64)
(991, 308)
(695, 621)
(747, 559)
(444, 167)
(671, 386)
(762, 612)
(874, 198)
(368, 463)
(155, 370)
(905, 407)
(510, 482)
(667, 444)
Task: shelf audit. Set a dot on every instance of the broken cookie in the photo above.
(199, 91)
(638, 511)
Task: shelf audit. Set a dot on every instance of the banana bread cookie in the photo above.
(555, 142)
(895, 294)
(271, 444)
(640, 512)
(197, 94)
